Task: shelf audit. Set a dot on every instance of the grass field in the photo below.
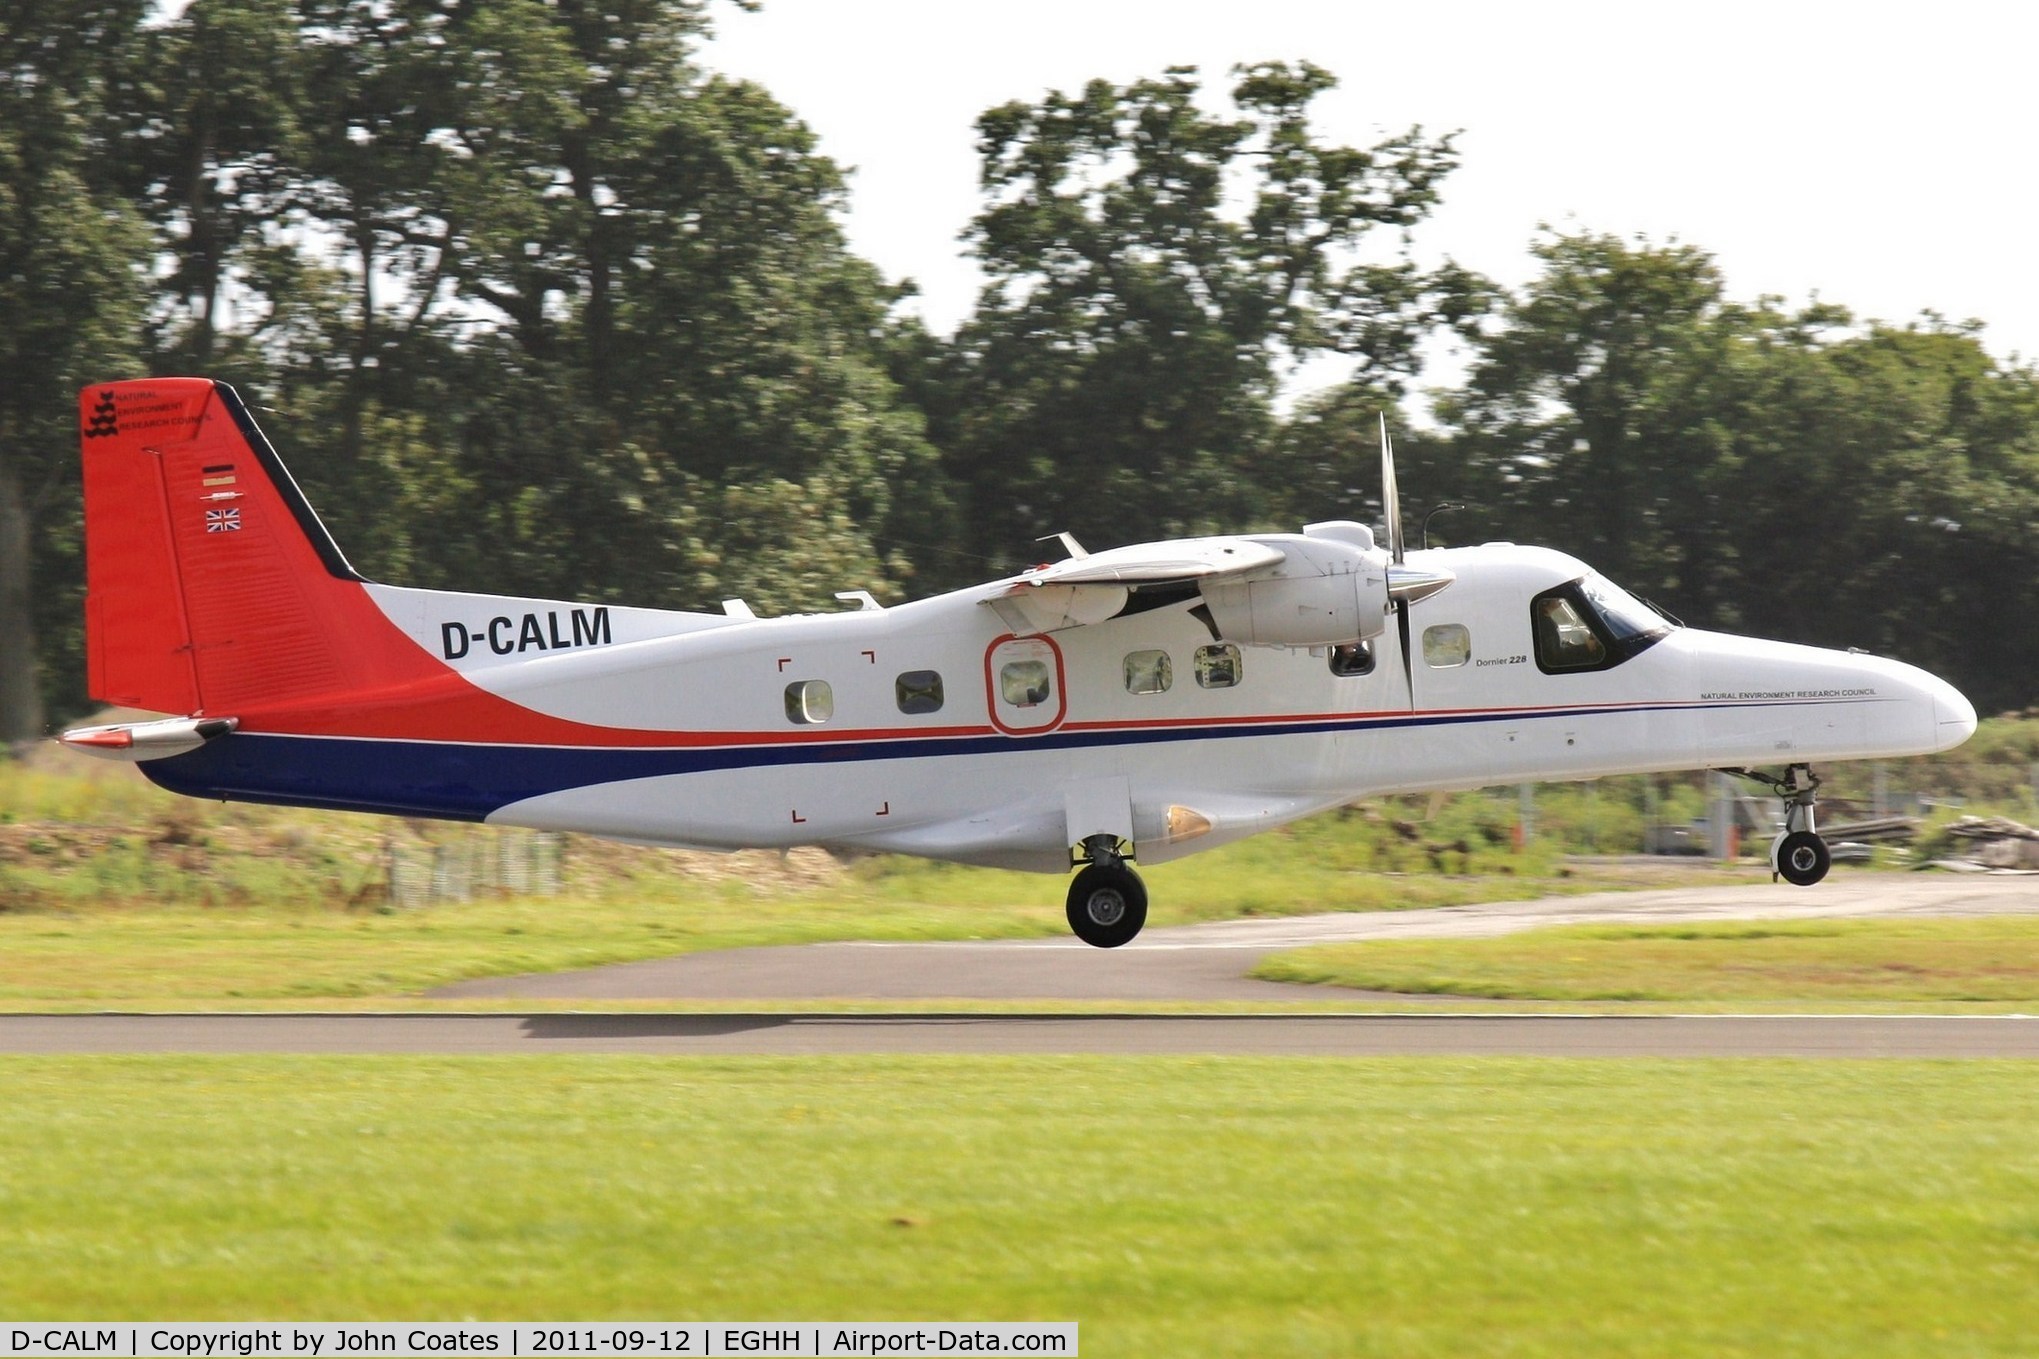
(1988, 959)
(246, 905)
(1173, 1207)
(191, 955)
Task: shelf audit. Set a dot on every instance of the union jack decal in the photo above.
(222, 521)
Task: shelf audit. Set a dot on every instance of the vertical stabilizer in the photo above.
(210, 584)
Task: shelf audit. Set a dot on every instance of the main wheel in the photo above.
(1801, 858)
(1107, 905)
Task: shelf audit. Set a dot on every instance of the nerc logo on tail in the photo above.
(1194, 692)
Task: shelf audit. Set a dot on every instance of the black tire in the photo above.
(1107, 905)
(1801, 858)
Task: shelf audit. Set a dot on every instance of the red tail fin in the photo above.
(211, 586)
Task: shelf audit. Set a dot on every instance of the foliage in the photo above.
(531, 300)
(1152, 269)
(1785, 474)
(71, 255)
(535, 301)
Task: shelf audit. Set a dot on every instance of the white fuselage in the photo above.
(1003, 773)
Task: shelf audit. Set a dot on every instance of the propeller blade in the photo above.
(1391, 498)
(1404, 587)
(1408, 659)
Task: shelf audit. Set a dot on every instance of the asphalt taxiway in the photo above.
(1195, 963)
(1312, 1035)
(1208, 963)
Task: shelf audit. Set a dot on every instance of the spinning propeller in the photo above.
(1406, 584)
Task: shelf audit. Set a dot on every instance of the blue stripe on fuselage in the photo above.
(463, 782)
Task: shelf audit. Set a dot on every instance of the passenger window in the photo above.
(1564, 639)
(1446, 645)
(1352, 658)
(809, 702)
(1148, 672)
(1025, 684)
(918, 691)
(1218, 667)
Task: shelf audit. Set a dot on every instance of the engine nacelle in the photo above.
(1324, 593)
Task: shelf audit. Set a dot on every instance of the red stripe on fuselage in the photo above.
(433, 702)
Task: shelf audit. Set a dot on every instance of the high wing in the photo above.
(1327, 585)
(1177, 559)
(1095, 587)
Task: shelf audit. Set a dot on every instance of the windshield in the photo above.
(1624, 614)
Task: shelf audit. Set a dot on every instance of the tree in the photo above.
(1152, 269)
(1602, 400)
(529, 294)
(211, 152)
(1783, 473)
(1887, 483)
(71, 296)
(623, 296)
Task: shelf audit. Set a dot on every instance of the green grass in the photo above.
(93, 834)
(1171, 1206)
(192, 956)
(185, 954)
(1356, 860)
(114, 893)
(1993, 958)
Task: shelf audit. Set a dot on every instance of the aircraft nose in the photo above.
(1953, 715)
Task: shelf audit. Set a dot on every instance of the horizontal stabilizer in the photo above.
(147, 740)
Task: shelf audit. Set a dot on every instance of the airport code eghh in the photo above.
(323, 1340)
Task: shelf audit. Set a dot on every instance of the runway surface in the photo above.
(1318, 1035)
(1211, 962)
(1188, 963)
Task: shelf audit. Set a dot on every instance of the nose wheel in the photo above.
(1800, 858)
(1107, 901)
(1797, 855)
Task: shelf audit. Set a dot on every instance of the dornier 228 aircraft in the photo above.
(1137, 704)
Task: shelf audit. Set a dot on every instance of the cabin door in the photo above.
(1026, 686)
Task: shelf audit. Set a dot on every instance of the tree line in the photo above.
(535, 301)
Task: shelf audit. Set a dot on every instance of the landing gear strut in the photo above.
(1107, 901)
(1797, 855)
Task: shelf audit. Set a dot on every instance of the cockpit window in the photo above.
(1624, 614)
(1591, 624)
(1564, 639)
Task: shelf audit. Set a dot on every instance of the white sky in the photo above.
(1886, 158)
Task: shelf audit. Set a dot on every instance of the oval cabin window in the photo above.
(1025, 684)
(1218, 667)
(1148, 672)
(918, 691)
(1349, 659)
(1446, 645)
(809, 702)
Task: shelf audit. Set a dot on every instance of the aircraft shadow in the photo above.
(584, 1027)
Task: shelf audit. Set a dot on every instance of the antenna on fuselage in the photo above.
(1440, 509)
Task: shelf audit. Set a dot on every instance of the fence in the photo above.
(457, 866)
(1715, 815)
